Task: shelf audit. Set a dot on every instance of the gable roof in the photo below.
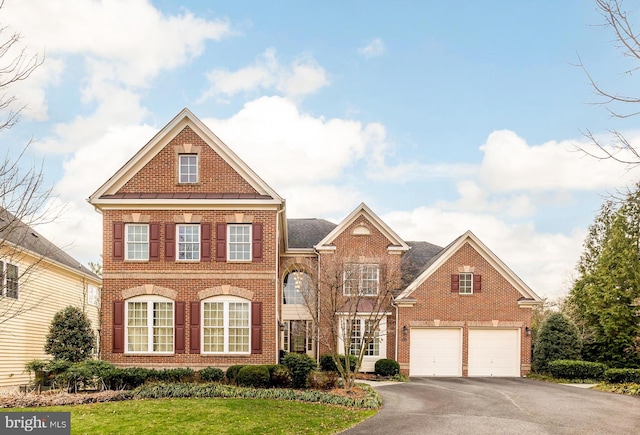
(20, 235)
(440, 258)
(397, 244)
(108, 192)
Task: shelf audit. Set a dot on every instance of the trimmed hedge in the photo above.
(254, 376)
(571, 369)
(211, 374)
(232, 373)
(387, 367)
(622, 376)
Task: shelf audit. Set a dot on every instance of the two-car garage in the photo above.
(439, 352)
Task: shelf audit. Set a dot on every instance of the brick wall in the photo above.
(160, 175)
(498, 301)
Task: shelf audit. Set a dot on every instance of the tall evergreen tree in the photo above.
(603, 300)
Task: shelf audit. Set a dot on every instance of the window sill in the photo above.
(150, 354)
(212, 354)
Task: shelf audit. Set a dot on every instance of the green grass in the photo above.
(207, 416)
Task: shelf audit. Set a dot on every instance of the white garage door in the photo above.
(494, 352)
(436, 352)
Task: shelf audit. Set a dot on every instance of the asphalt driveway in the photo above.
(499, 406)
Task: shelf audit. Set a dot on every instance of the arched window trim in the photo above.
(154, 333)
(226, 328)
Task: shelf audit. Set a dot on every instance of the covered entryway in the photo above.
(436, 352)
(494, 352)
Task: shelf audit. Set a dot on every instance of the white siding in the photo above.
(47, 289)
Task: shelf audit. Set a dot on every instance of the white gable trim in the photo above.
(363, 210)
(162, 138)
(486, 253)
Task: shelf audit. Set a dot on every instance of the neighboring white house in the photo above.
(37, 280)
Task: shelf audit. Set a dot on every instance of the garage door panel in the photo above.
(436, 352)
(494, 352)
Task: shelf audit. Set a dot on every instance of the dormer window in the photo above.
(188, 168)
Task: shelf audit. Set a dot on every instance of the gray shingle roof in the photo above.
(16, 232)
(306, 233)
(417, 259)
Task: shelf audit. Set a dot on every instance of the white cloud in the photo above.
(308, 149)
(134, 36)
(510, 164)
(374, 48)
(302, 77)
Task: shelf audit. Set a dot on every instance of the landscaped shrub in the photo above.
(327, 362)
(558, 339)
(172, 375)
(127, 378)
(387, 367)
(622, 376)
(254, 376)
(232, 373)
(321, 380)
(300, 366)
(571, 369)
(70, 335)
(211, 374)
(281, 377)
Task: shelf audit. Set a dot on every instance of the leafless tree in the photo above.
(347, 300)
(618, 105)
(23, 194)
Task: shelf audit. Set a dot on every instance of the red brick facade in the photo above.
(147, 191)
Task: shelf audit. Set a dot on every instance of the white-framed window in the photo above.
(188, 168)
(137, 242)
(239, 242)
(150, 325)
(296, 287)
(9, 280)
(226, 325)
(466, 283)
(93, 295)
(188, 242)
(298, 336)
(361, 330)
(361, 279)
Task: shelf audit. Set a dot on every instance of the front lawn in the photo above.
(207, 416)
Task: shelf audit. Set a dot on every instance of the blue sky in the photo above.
(441, 116)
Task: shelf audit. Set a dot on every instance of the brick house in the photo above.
(202, 268)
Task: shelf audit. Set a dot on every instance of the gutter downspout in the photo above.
(277, 280)
(397, 327)
(318, 308)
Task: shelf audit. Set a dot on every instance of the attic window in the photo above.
(188, 168)
(361, 230)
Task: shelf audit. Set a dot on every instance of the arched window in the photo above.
(226, 325)
(296, 288)
(149, 324)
